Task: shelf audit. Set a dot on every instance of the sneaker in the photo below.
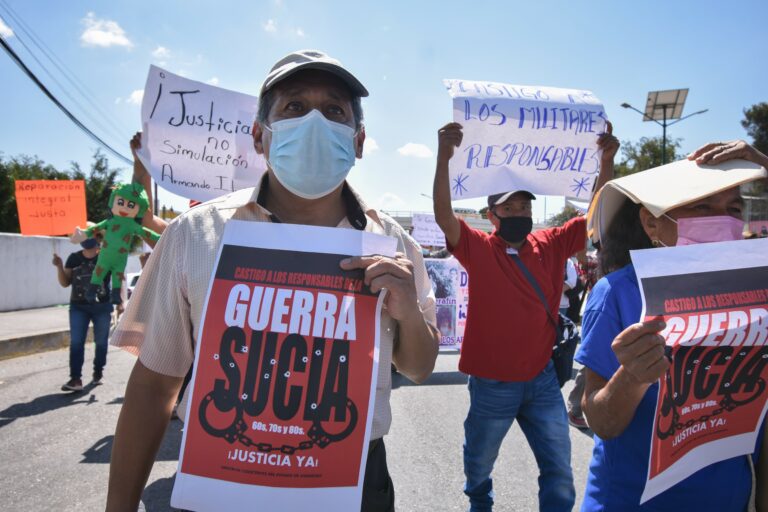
(73, 385)
(577, 421)
(97, 376)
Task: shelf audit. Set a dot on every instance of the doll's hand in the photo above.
(78, 236)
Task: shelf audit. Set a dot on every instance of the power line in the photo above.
(68, 75)
(77, 104)
(56, 102)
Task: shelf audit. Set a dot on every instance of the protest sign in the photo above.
(285, 373)
(196, 140)
(540, 139)
(426, 231)
(450, 283)
(50, 207)
(714, 300)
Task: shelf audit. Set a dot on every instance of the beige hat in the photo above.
(311, 59)
(664, 188)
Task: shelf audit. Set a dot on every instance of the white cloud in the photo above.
(161, 52)
(136, 97)
(300, 32)
(270, 26)
(104, 33)
(370, 146)
(415, 150)
(5, 30)
(391, 202)
(213, 81)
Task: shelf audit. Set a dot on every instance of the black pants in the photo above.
(378, 490)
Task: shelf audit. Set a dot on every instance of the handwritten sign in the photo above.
(712, 400)
(50, 207)
(426, 231)
(196, 139)
(540, 139)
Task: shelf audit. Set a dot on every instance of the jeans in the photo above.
(80, 315)
(539, 409)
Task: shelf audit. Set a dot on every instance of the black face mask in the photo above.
(515, 229)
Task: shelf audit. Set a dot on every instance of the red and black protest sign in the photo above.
(281, 405)
(713, 397)
(283, 378)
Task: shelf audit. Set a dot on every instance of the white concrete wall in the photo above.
(27, 276)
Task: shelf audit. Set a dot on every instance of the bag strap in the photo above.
(532, 281)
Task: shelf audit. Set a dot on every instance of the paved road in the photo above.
(55, 447)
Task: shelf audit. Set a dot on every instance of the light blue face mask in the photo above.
(310, 155)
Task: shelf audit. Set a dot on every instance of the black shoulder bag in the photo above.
(566, 334)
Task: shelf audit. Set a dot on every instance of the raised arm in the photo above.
(449, 137)
(141, 175)
(609, 145)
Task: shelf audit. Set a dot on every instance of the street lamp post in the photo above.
(660, 107)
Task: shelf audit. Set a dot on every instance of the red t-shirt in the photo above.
(508, 336)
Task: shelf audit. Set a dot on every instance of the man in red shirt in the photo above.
(508, 340)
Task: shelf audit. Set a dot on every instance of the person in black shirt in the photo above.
(77, 272)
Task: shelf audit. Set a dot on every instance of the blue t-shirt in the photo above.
(619, 466)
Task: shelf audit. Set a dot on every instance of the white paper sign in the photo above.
(426, 231)
(196, 139)
(582, 206)
(540, 139)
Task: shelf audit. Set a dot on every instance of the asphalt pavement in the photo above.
(55, 446)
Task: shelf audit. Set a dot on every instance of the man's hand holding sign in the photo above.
(401, 302)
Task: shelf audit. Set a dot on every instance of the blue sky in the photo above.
(401, 51)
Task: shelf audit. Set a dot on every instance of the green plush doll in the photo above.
(128, 204)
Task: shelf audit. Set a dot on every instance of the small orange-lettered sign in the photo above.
(50, 207)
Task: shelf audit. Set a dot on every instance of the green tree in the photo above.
(567, 213)
(645, 154)
(98, 185)
(756, 123)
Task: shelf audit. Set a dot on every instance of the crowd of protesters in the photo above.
(519, 280)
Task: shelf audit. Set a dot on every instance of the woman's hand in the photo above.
(718, 152)
(640, 350)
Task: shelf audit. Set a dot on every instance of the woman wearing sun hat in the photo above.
(624, 359)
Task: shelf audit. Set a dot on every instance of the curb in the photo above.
(41, 342)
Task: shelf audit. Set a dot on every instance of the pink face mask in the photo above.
(702, 230)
